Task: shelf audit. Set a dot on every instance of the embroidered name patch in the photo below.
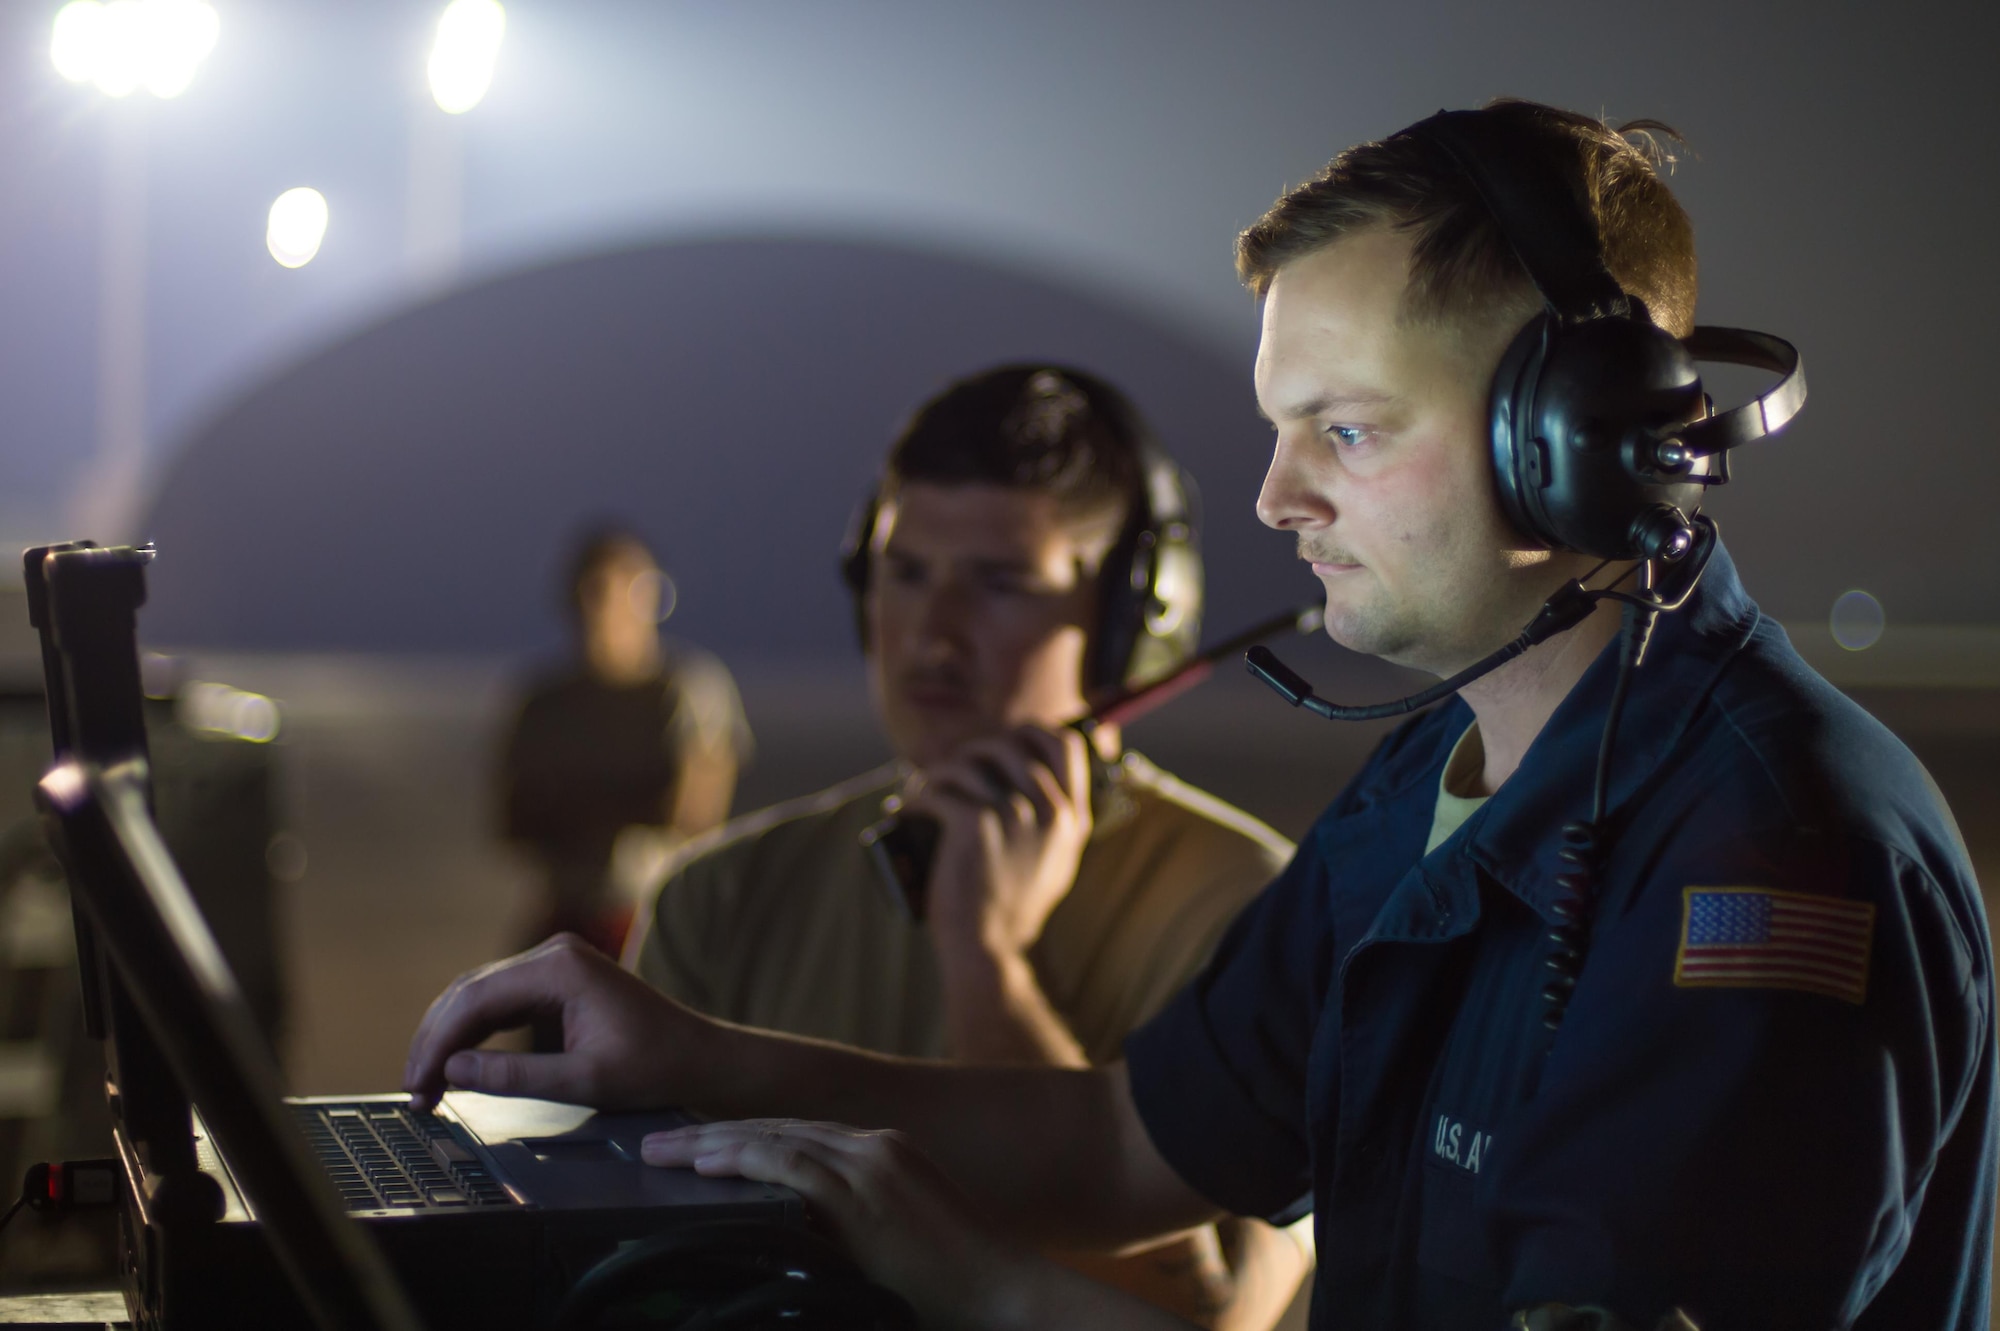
(1759, 938)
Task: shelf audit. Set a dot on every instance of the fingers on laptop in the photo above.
(845, 1173)
(714, 1147)
(495, 997)
(893, 1209)
(501, 1072)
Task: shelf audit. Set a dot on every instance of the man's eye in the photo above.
(1348, 436)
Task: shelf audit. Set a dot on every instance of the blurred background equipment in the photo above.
(216, 785)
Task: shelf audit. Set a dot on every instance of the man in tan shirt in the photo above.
(1072, 891)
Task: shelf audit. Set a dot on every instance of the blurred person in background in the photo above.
(622, 754)
(1072, 893)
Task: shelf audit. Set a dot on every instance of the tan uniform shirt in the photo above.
(780, 920)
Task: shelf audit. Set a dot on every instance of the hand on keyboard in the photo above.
(625, 1045)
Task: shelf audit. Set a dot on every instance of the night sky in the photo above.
(712, 253)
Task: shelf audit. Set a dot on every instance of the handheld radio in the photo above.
(902, 846)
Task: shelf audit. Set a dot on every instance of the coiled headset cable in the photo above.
(1585, 844)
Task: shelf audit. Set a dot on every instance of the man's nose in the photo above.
(1295, 495)
(941, 621)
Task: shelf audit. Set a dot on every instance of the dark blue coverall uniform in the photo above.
(1767, 1130)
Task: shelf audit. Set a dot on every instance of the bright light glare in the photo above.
(124, 45)
(221, 710)
(298, 225)
(467, 46)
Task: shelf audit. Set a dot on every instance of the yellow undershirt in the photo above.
(1461, 774)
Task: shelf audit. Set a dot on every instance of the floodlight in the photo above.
(79, 33)
(297, 225)
(469, 33)
(124, 45)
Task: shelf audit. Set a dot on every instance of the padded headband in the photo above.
(1543, 214)
(1559, 246)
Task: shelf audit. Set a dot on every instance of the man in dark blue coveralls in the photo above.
(1771, 1101)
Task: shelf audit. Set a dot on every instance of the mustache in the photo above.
(936, 677)
(1316, 552)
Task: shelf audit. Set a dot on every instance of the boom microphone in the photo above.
(1570, 606)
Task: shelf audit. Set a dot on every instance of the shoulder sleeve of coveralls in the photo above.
(1219, 1076)
(1754, 1151)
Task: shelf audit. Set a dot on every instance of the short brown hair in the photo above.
(1461, 267)
(1041, 427)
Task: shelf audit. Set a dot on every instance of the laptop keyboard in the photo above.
(383, 1156)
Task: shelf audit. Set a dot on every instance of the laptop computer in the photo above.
(240, 1207)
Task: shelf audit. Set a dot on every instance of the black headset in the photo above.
(1150, 586)
(1599, 422)
(1599, 427)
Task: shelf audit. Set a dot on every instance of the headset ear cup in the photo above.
(1607, 393)
(1172, 616)
(1519, 462)
(854, 561)
(1126, 572)
(1152, 588)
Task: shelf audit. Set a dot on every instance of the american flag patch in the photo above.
(1758, 938)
